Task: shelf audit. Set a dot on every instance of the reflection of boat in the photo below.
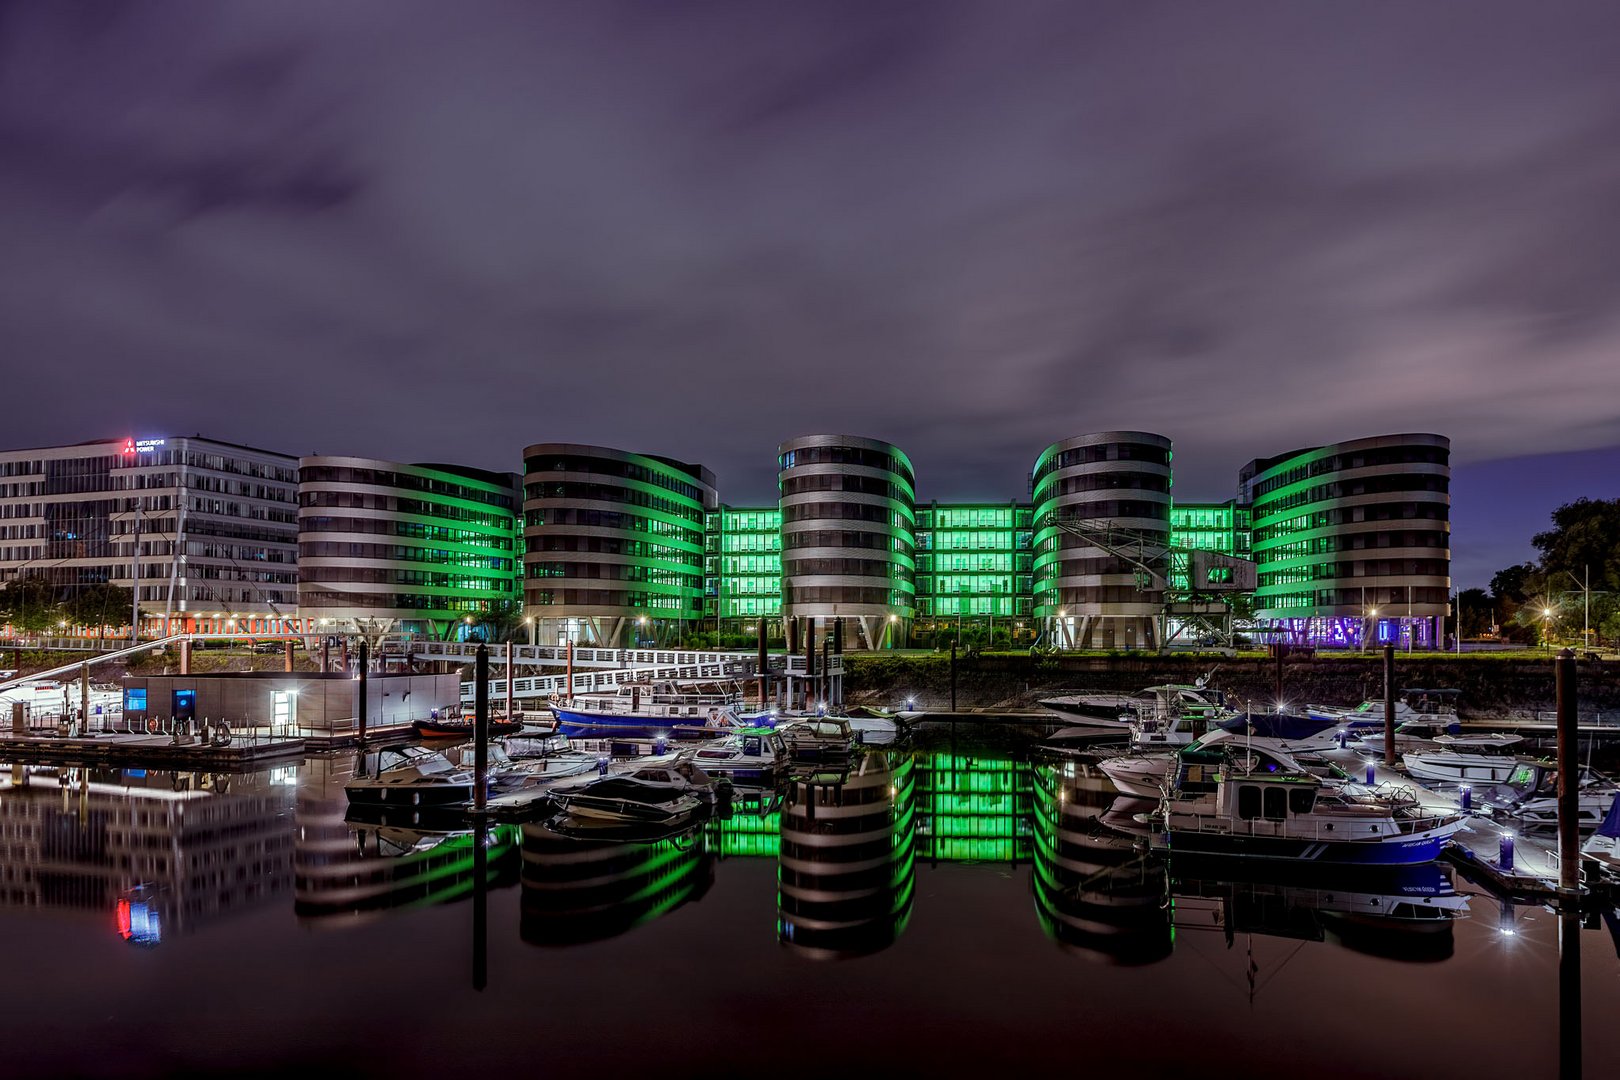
(391, 863)
(845, 872)
(1400, 912)
(578, 890)
(1471, 759)
(1235, 805)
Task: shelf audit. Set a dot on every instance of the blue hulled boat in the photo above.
(1227, 804)
(669, 707)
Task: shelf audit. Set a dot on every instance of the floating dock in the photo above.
(1477, 851)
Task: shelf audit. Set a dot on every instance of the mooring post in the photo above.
(286, 655)
(326, 653)
(953, 675)
(809, 661)
(480, 726)
(185, 657)
(509, 679)
(838, 650)
(1569, 780)
(1389, 705)
(763, 666)
(360, 704)
(826, 672)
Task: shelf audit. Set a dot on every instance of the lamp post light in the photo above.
(1546, 631)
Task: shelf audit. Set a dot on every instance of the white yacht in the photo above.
(1465, 759)
(1151, 775)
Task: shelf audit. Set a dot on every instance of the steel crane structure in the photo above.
(1204, 607)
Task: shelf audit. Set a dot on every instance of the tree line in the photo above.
(1573, 587)
(33, 605)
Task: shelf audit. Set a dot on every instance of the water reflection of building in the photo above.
(846, 869)
(159, 852)
(1398, 912)
(973, 808)
(1095, 892)
(752, 827)
(578, 890)
(353, 869)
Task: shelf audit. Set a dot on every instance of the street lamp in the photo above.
(1546, 637)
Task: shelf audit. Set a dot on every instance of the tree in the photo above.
(100, 605)
(1476, 613)
(1580, 564)
(31, 604)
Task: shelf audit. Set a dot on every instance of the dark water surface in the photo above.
(929, 913)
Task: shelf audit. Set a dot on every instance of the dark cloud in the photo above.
(401, 229)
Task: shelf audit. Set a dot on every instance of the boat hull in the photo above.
(1422, 848)
(582, 723)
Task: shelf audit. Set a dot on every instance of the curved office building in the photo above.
(418, 548)
(614, 543)
(1088, 597)
(848, 536)
(1353, 541)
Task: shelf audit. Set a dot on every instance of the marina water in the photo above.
(940, 910)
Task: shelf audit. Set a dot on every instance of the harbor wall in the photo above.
(1491, 686)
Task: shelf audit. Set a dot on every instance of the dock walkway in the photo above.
(1477, 849)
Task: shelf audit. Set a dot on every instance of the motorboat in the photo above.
(817, 738)
(755, 756)
(1109, 707)
(1230, 807)
(1434, 706)
(462, 727)
(630, 799)
(1465, 759)
(411, 776)
(1151, 775)
(1530, 796)
(682, 708)
(417, 776)
(1415, 734)
(1603, 846)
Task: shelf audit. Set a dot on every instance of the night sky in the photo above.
(429, 231)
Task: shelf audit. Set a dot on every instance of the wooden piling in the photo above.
(1569, 780)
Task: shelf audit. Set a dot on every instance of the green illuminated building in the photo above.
(975, 562)
(742, 566)
(1221, 527)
